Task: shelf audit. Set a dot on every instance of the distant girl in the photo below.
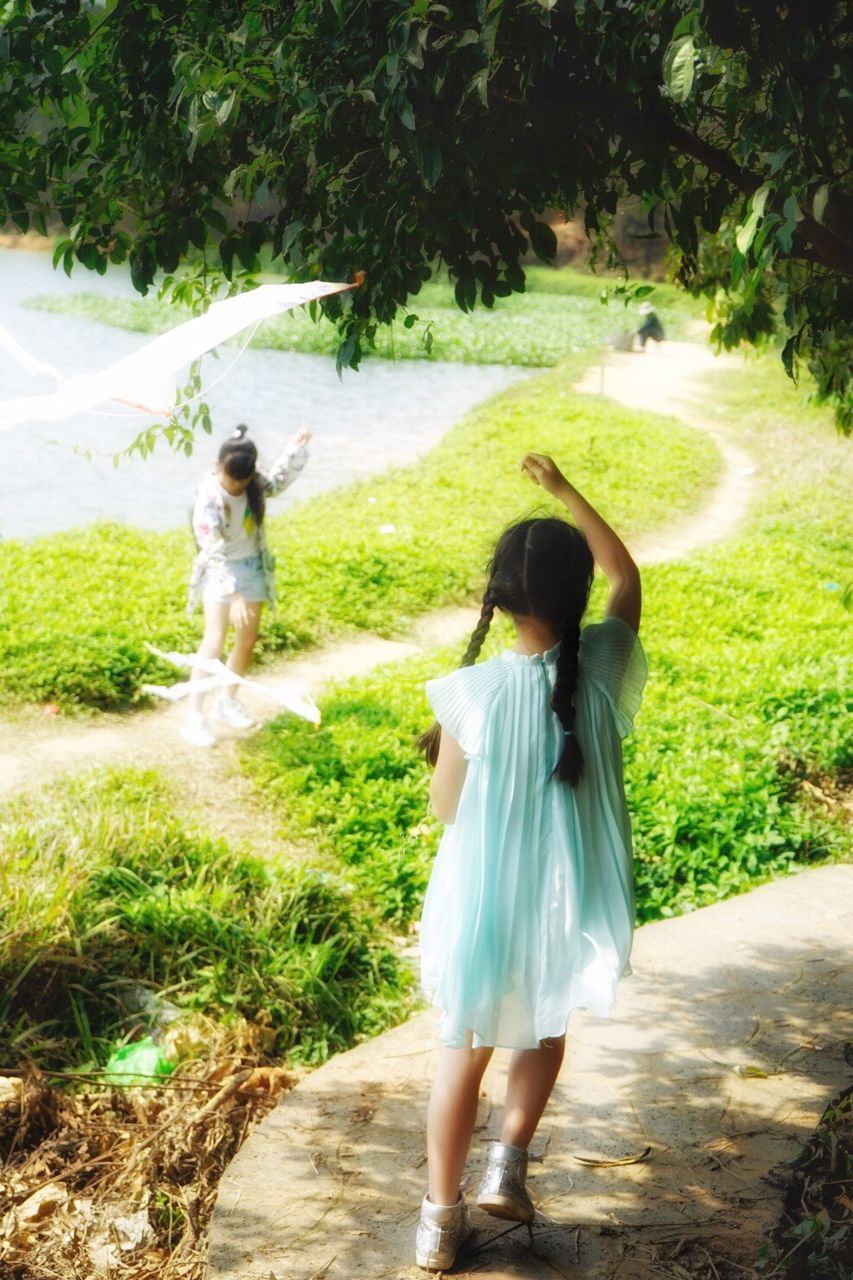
(530, 908)
(234, 572)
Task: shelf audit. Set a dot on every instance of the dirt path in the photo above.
(667, 380)
(208, 784)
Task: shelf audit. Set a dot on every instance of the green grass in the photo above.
(560, 314)
(103, 888)
(79, 606)
(748, 695)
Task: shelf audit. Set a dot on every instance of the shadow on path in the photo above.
(726, 1044)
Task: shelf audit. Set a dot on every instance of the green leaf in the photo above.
(789, 351)
(543, 242)
(746, 233)
(792, 211)
(59, 251)
(779, 157)
(220, 104)
(346, 351)
(433, 163)
(214, 219)
(821, 196)
(407, 115)
(678, 68)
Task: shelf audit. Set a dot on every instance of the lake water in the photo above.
(385, 414)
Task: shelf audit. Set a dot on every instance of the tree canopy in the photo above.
(393, 136)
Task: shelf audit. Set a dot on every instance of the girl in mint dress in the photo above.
(530, 908)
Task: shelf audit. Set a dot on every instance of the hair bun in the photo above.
(240, 432)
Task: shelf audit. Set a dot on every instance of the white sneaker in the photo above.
(196, 731)
(228, 709)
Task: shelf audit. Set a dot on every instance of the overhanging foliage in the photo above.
(387, 136)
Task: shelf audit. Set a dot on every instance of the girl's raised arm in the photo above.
(610, 553)
(288, 466)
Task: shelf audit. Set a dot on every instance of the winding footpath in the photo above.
(209, 784)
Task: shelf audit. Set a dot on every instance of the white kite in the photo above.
(287, 694)
(146, 379)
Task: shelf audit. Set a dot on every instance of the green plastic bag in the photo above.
(142, 1062)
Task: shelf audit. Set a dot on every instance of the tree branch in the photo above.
(827, 248)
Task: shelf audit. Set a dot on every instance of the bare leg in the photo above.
(532, 1075)
(213, 641)
(244, 639)
(451, 1118)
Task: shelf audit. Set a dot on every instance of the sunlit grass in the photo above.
(116, 588)
(102, 889)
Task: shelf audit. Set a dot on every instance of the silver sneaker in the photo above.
(442, 1231)
(502, 1190)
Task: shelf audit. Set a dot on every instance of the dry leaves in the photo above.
(593, 1162)
(122, 1182)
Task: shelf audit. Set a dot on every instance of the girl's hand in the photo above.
(301, 438)
(544, 471)
(239, 611)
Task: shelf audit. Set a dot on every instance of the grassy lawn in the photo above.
(561, 313)
(743, 719)
(102, 888)
(114, 587)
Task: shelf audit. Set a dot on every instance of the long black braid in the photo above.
(569, 767)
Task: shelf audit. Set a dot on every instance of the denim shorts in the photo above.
(250, 580)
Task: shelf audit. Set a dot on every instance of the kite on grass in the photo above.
(146, 379)
(287, 694)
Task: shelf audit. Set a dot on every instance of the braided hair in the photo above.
(238, 458)
(540, 568)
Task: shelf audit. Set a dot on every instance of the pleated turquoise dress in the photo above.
(529, 911)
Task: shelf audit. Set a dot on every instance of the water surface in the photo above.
(385, 414)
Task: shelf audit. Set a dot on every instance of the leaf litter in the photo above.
(100, 1181)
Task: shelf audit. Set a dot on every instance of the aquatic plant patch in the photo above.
(562, 312)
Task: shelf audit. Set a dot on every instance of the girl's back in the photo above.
(530, 907)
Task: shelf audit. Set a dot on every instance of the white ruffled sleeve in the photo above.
(462, 700)
(612, 658)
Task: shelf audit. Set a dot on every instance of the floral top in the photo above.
(209, 528)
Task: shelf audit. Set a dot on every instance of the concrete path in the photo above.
(726, 1045)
